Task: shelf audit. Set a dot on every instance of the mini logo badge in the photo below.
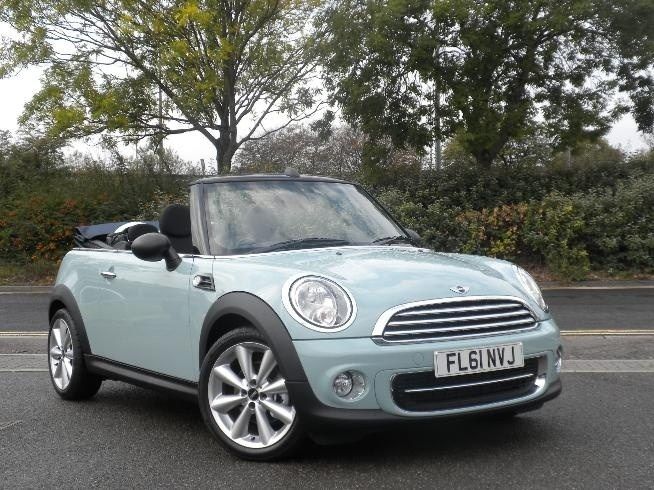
(460, 289)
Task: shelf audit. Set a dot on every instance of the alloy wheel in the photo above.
(248, 397)
(61, 354)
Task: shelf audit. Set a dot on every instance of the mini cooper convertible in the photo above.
(292, 306)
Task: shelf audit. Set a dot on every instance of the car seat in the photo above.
(175, 223)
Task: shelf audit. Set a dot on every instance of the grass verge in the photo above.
(31, 273)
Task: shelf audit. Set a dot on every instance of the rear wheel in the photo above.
(244, 399)
(68, 373)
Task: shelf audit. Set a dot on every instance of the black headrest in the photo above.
(133, 232)
(175, 220)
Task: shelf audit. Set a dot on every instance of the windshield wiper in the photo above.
(301, 243)
(389, 240)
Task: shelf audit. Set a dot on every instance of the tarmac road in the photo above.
(598, 434)
(25, 310)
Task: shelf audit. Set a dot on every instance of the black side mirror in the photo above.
(153, 247)
(414, 235)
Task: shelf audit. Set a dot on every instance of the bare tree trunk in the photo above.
(224, 152)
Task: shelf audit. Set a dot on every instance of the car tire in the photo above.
(243, 398)
(68, 374)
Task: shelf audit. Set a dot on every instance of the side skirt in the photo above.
(141, 377)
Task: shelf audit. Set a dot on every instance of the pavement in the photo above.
(598, 434)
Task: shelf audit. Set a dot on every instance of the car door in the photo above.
(149, 329)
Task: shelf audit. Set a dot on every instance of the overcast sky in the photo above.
(16, 91)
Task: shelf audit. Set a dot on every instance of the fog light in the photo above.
(343, 384)
(558, 362)
(350, 385)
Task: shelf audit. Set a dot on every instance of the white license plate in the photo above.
(479, 360)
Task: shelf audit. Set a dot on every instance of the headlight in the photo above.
(320, 304)
(530, 287)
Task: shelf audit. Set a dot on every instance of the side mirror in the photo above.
(153, 247)
(414, 235)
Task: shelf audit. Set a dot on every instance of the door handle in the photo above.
(204, 281)
(108, 274)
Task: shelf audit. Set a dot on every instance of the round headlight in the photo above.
(530, 287)
(321, 303)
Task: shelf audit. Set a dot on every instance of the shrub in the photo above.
(610, 228)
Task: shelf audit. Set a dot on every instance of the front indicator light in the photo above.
(558, 363)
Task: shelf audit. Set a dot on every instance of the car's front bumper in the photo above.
(323, 360)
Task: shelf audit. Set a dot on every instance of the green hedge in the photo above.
(610, 228)
(595, 216)
(37, 219)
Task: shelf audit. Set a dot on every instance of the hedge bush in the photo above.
(591, 216)
(610, 228)
(37, 220)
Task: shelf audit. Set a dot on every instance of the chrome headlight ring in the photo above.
(318, 303)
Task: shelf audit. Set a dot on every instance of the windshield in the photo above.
(259, 216)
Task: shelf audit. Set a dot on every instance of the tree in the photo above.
(339, 152)
(146, 69)
(424, 70)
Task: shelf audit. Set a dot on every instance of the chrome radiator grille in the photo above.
(454, 318)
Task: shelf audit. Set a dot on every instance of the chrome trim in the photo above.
(383, 320)
(540, 384)
(478, 326)
(204, 282)
(108, 274)
(397, 323)
(466, 385)
(457, 310)
(104, 250)
(286, 300)
(382, 341)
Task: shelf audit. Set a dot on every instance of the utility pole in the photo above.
(160, 142)
(437, 103)
(437, 127)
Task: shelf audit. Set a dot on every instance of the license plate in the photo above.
(479, 360)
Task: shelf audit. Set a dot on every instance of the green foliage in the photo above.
(596, 214)
(606, 224)
(215, 64)
(552, 230)
(43, 200)
(421, 71)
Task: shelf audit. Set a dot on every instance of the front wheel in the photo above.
(244, 399)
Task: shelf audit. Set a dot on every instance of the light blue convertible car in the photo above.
(291, 305)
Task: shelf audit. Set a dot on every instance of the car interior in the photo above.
(175, 223)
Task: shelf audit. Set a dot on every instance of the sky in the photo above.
(19, 89)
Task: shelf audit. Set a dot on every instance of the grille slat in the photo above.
(422, 391)
(467, 308)
(478, 326)
(469, 385)
(458, 318)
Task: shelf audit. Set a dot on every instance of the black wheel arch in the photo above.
(62, 297)
(259, 315)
